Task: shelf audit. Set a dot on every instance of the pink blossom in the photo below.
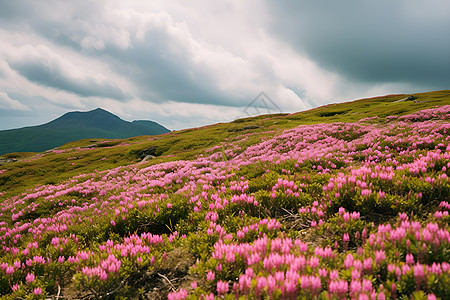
(180, 295)
(355, 287)
(30, 277)
(194, 284)
(338, 287)
(367, 264)
(348, 263)
(210, 276)
(366, 285)
(379, 256)
(9, 270)
(334, 274)
(346, 237)
(419, 271)
(222, 287)
(37, 291)
(316, 284)
(409, 259)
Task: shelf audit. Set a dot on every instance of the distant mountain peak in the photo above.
(73, 126)
(100, 110)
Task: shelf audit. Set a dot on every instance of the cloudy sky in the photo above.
(191, 63)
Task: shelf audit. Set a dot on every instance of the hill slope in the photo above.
(187, 144)
(354, 204)
(74, 126)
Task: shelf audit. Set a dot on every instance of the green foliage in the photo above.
(162, 222)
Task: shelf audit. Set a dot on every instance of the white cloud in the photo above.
(7, 103)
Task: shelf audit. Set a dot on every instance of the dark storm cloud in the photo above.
(162, 68)
(371, 41)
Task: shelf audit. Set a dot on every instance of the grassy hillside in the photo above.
(74, 158)
(347, 200)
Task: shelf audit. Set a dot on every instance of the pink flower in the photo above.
(37, 291)
(261, 283)
(409, 259)
(380, 256)
(419, 271)
(30, 277)
(304, 282)
(348, 262)
(290, 286)
(55, 241)
(355, 287)
(367, 285)
(9, 270)
(367, 264)
(338, 287)
(210, 276)
(323, 272)
(245, 281)
(334, 274)
(103, 275)
(219, 267)
(254, 258)
(17, 264)
(346, 237)
(194, 284)
(316, 284)
(180, 295)
(222, 287)
(169, 205)
(314, 262)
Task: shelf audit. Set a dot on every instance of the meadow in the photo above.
(345, 201)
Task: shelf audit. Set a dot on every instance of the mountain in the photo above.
(73, 126)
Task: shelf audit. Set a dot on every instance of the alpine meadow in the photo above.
(347, 200)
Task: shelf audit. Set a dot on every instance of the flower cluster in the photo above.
(344, 210)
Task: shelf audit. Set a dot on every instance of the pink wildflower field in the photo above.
(327, 211)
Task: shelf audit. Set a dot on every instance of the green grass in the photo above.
(49, 168)
(380, 106)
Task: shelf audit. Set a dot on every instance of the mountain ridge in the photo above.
(73, 126)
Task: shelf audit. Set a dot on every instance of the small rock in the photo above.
(149, 151)
(148, 157)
